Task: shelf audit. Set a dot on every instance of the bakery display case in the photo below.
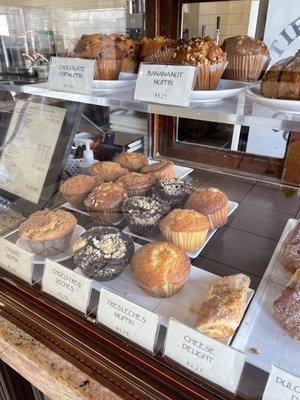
(142, 240)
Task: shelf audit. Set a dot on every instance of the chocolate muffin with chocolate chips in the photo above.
(103, 252)
(143, 213)
(173, 191)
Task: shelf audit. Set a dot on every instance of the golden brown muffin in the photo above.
(48, 232)
(136, 184)
(104, 202)
(132, 161)
(207, 56)
(185, 228)
(211, 202)
(160, 268)
(160, 170)
(130, 51)
(159, 49)
(108, 171)
(289, 255)
(76, 189)
(282, 80)
(246, 58)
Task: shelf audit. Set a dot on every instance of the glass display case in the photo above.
(155, 246)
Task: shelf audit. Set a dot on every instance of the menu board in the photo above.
(25, 162)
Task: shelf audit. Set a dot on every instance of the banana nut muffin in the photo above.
(48, 232)
(160, 170)
(132, 161)
(136, 184)
(103, 252)
(158, 50)
(108, 171)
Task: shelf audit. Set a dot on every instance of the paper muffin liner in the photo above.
(50, 248)
(161, 56)
(77, 200)
(245, 68)
(208, 76)
(187, 241)
(167, 290)
(137, 192)
(129, 65)
(218, 218)
(107, 69)
(106, 217)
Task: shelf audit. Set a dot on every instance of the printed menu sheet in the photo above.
(25, 162)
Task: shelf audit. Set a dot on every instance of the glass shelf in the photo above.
(239, 110)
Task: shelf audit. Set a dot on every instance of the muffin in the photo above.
(211, 202)
(160, 268)
(132, 161)
(157, 50)
(103, 252)
(160, 170)
(76, 189)
(289, 255)
(246, 56)
(108, 171)
(104, 202)
(207, 56)
(130, 51)
(48, 232)
(173, 191)
(185, 228)
(136, 184)
(143, 213)
(105, 51)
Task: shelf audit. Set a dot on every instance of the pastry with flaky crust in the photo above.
(185, 228)
(160, 268)
(108, 171)
(160, 170)
(223, 306)
(132, 161)
(211, 202)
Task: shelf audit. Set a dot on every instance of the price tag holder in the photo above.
(16, 260)
(282, 385)
(66, 285)
(71, 74)
(165, 84)
(204, 356)
(130, 320)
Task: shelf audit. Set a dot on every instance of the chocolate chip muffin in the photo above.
(160, 170)
(130, 51)
(108, 171)
(136, 184)
(173, 191)
(132, 161)
(143, 213)
(157, 50)
(103, 252)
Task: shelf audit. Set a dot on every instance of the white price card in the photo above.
(66, 285)
(204, 356)
(128, 319)
(69, 74)
(15, 260)
(165, 84)
(282, 385)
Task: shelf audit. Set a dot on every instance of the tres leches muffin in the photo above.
(246, 58)
(143, 213)
(185, 228)
(108, 171)
(212, 203)
(160, 268)
(103, 252)
(160, 170)
(48, 232)
(207, 56)
(173, 191)
(76, 189)
(132, 161)
(157, 50)
(104, 202)
(136, 184)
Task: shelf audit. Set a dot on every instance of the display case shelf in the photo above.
(235, 110)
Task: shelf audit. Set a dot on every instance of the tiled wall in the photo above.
(234, 17)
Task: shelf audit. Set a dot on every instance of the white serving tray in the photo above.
(183, 306)
(260, 330)
(232, 205)
(226, 88)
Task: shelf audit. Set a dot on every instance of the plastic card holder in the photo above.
(204, 356)
(16, 261)
(130, 320)
(282, 385)
(66, 285)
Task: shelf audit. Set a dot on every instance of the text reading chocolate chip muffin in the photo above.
(103, 252)
(108, 171)
(48, 232)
